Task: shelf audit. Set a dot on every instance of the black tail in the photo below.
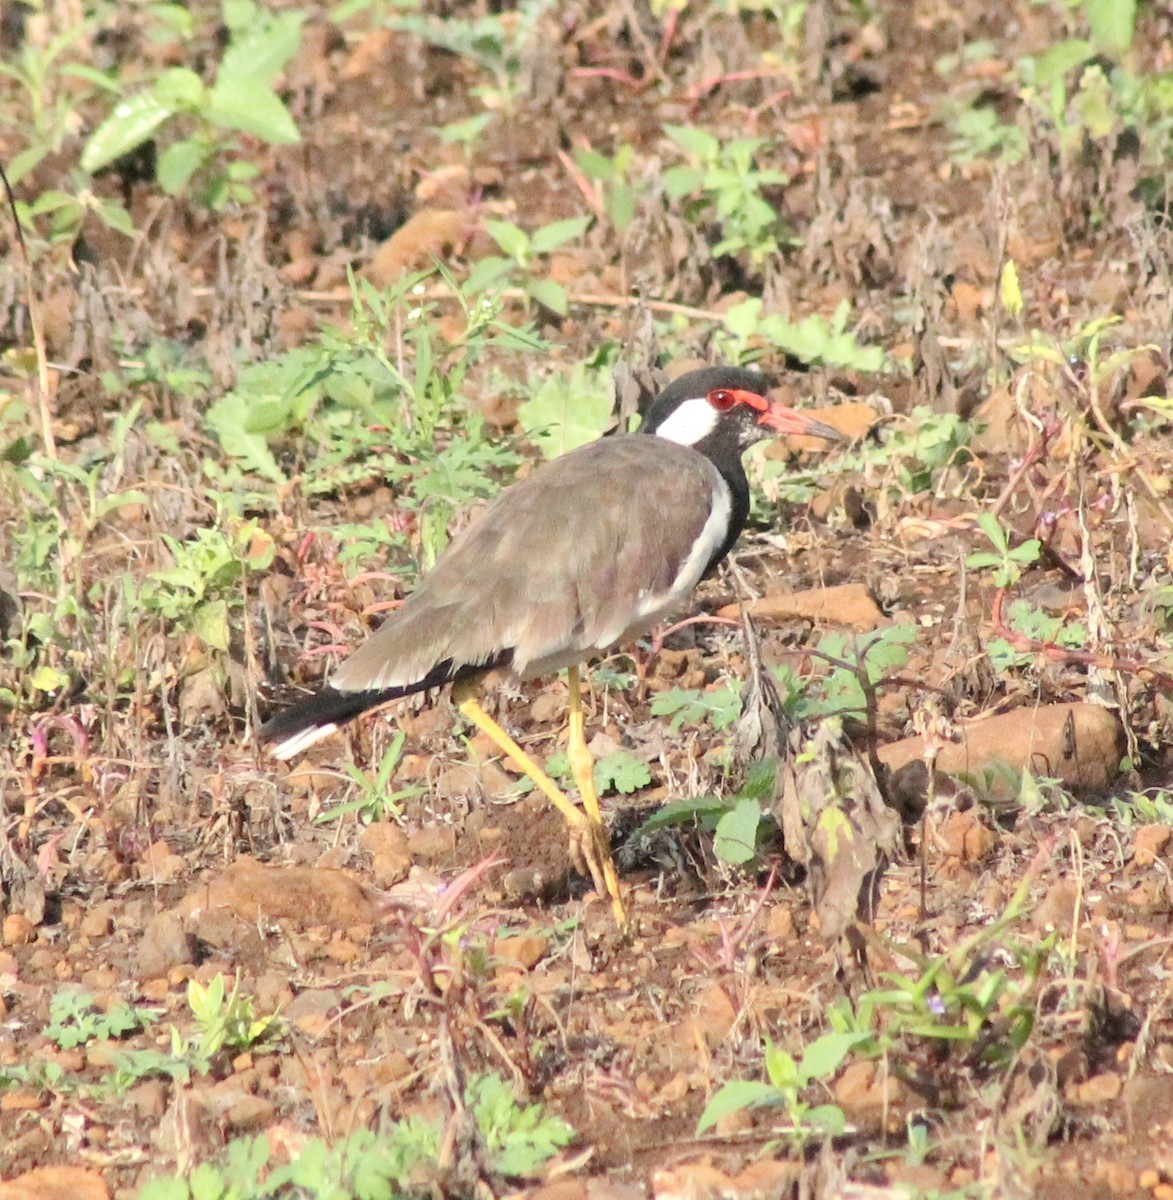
(329, 707)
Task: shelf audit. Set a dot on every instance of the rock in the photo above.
(305, 895)
(56, 1183)
(965, 835)
(848, 604)
(715, 1014)
(1057, 908)
(1099, 1089)
(1148, 843)
(312, 1009)
(390, 857)
(433, 843)
(17, 930)
(1079, 744)
(525, 951)
(165, 944)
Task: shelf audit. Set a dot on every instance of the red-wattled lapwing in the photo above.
(588, 552)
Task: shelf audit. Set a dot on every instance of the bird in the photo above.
(587, 553)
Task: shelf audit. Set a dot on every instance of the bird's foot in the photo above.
(590, 852)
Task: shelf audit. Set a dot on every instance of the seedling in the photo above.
(241, 100)
(376, 801)
(521, 252)
(788, 1078)
(1008, 561)
(724, 180)
(813, 340)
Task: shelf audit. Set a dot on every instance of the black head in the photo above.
(723, 410)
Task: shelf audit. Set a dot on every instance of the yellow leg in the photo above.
(587, 831)
(582, 767)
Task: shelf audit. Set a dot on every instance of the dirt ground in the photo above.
(147, 843)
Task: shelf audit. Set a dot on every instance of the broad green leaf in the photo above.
(178, 163)
(181, 89)
(262, 51)
(25, 161)
(131, 123)
(549, 294)
(621, 772)
(735, 1096)
(824, 1056)
(1112, 23)
(209, 622)
(1053, 65)
(488, 272)
(737, 832)
(115, 217)
(566, 412)
(49, 679)
(511, 238)
(697, 142)
(248, 104)
(682, 181)
(551, 236)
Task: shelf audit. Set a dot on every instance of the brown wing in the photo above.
(555, 567)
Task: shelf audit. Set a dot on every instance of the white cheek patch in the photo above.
(691, 422)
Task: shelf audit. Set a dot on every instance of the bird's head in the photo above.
(726, 407)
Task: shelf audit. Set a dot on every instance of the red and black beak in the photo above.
(782, 419)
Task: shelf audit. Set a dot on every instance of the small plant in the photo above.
(226, 1020)
(857, 664)
(74, 1020)
(567, 411)
(240, 100)
(617, 772)
(719, 706)
(519, 260)
(1008, 562)
(198, 589)
(518, 1140)
(496, 42)
(615, 193)
(788, 1079)
(814, 340)
(724, 181)
(1029, 621)
(375, 801)
(736, 822)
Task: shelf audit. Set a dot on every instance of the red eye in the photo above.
(722, 399)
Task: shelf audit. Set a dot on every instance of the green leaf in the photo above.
(209, 622)
(697, 142)
(682, 181)
(1052, 66)
(551, 236)
(21, 164)
(178, 163)
(131, 123)
(567, 412)
(733, 1097)
(180, 89)
(262, 50)
(488, 272)
(737, 832)
(1112, 23)
(250, 105)
(49, 679)
(824, 1056)
(549, 294)
(512, 239)
(621, 772)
